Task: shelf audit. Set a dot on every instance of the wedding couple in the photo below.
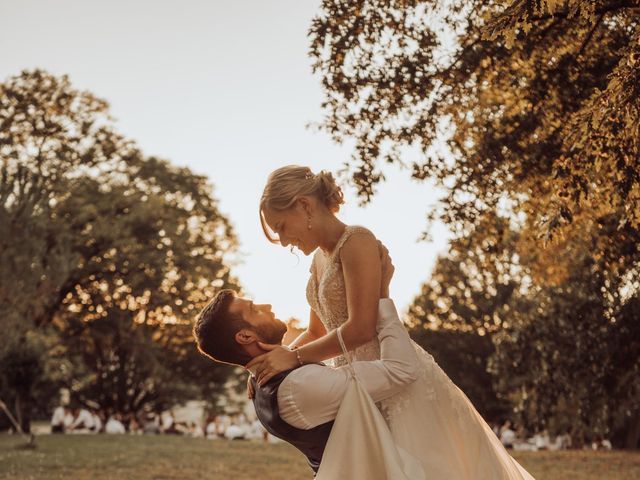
(423, 426)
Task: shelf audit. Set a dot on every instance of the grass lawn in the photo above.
(86, 457)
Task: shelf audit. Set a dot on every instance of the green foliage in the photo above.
(567, 350)
(459, 310)
(527, 110)
(536, 100)
(31, 373)
(470, 287)
(114, 250)
(124, 366)
(569, 357)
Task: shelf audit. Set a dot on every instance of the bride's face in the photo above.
(292, 226)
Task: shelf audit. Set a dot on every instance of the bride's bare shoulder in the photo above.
(360, 243)
(355, 229)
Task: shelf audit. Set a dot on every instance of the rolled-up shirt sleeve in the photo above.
(311, 395)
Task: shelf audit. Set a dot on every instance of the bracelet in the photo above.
(298, 356)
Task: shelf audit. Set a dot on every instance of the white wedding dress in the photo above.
(376, 455)
(431, 420)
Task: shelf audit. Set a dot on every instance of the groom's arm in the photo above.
(311, 395)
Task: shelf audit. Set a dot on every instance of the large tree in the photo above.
(127, 320)
(95, 233)
(568, 356)
(528, 109)
(537, 101)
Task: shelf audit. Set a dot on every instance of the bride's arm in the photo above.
(314, 330)
(361, 268)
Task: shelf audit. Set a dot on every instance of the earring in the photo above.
(309, 224)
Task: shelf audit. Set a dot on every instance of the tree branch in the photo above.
(590, 35)
(620, 4)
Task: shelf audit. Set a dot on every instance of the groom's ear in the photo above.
(246, 337)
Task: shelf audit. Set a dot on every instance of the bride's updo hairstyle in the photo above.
(286, 184)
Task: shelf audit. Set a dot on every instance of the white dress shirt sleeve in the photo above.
(311, 395)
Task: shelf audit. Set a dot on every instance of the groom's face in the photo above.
(263, 322)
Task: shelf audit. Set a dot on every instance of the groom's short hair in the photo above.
(215, 330)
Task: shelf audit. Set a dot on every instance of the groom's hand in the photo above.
(387, 270)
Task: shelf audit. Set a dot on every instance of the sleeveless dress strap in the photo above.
(312, 267)
(345, 352)
(348, 231)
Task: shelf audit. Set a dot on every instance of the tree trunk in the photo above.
(31, 438)
(18, 410)
(23, 414)
(633, 434)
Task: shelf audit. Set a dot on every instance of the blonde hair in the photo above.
(287, 184)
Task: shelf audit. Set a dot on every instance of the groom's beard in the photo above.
(273, 332)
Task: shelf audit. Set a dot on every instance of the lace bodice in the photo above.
(327, 295)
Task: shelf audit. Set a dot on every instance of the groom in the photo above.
(299, 405)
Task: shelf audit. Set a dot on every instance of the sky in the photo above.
(225, 88)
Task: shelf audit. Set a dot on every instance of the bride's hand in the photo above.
(277, 359)
(387, 270)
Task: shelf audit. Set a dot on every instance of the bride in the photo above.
(431, 419)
